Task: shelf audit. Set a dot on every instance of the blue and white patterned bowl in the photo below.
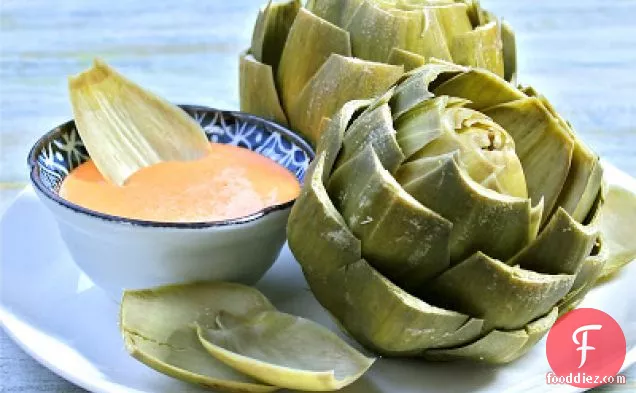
(120, 253)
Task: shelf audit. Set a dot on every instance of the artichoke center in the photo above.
(486, 152)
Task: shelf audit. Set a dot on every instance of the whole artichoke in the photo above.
(306, 62)
(455, 216)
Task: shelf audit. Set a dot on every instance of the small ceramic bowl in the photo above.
(119, 253)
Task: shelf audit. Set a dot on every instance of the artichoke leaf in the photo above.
(560, 248)
(417, 86)
(271, 30)
(375, 128)
(125, 127)
(340, 80)
(482, 88)
(455, 21)
(157, 329)
(374, 32)
(536, 330)
(498, 347)
(617, 223)
(256, 76)
(483, 220)
(587, 277)
(311, 41)
(338, 12)
(323, 243)
(409, 60)
(583, 182)
(385, 318)
(330, 142)
(425, 33)
(465, 334)
(184, 358)
(379, 212)
(509, 52)
(421, 125)
(284, 350)
(542, 144)
(504, 297)
(480, 48)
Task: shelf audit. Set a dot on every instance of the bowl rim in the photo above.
(296, 139)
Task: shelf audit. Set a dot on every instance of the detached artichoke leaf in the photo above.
(482, 88)
(409, 60)
(271, 30)
(284, 350)
(340, 80)
(256, 76)
(481, 48)
(499, 347)
(317, 40)
(125, 127)
(542, 144)
(504, 297)
(323, 243)
(560, 248)
(157, 329)
(184, 358)
(617, 223)
(385, 318)
(447, 190)
(374, 128)
(377, 210)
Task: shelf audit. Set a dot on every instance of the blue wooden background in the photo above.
(580, 53)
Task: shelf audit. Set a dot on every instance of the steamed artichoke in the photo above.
(306, 62)
(455, 216)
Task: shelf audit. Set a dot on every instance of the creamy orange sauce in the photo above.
(230, 182)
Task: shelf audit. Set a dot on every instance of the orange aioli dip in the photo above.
(230, 182)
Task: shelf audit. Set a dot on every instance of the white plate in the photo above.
(61, 319)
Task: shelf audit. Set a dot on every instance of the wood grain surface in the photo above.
(580, 53)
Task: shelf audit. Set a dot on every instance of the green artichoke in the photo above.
(306, 62)
(455, 216)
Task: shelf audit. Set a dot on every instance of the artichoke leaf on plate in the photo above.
(125, 127)
(284, 350)
(157, 325)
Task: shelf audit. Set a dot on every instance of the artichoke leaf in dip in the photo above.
(284, 350)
